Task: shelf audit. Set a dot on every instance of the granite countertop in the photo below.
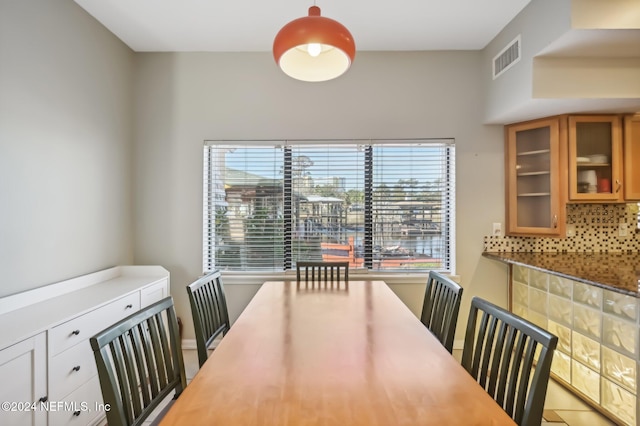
(618, 272)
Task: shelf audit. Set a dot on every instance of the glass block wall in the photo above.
(598, 335)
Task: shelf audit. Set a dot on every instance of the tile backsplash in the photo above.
(596, 229)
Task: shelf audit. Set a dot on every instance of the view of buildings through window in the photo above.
(381, 205)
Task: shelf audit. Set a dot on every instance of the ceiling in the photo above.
(251, 25)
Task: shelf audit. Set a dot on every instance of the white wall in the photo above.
(65, 144)
(510, 95)
(185, 98)
(77, 195)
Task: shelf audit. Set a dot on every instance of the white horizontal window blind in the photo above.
(381, 205)
(412, 204)
(243, 209)
(327, 182)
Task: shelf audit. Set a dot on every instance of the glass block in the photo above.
(561, 366)
(619, 401)
(587, 294)
(586, 320)
(538, 279)
(619, 334)
(586, 350)
(564, 336)
(585, 380)
(521, 274)
(560, 310)
(538, 300)
(538, 319)
(621, 305)
(520, 294)
(619, 368)
(521, 311)
(560, 286)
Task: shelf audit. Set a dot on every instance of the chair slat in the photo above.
(505, 366)
(136, 336)
(516, 365)
(490, 350)
(480, 344)
(498, 356)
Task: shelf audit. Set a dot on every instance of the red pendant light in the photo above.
(314, 48)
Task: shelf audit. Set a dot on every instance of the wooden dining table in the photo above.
(332, 354)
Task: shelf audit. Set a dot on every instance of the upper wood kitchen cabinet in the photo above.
(595, 158)
(536, 179)
(631, 156)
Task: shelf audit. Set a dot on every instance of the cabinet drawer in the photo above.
(85, 326)
(153, 293)
(82, 407)
(70, 369)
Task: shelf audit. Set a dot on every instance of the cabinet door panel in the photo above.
(534, 190)
(23, 372)
(595, 158)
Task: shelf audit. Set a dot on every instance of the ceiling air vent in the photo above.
(507, 58)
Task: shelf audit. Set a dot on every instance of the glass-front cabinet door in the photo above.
(595, 158)
(535, 189)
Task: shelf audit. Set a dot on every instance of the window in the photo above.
(383, 205)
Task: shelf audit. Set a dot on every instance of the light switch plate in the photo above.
(497, 229)
(623, 229)
(571, 230)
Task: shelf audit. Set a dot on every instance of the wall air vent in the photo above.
(508, 57)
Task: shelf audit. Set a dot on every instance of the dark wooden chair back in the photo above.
(440, 308)
(500, 351)
(209, 311)
(139, 362)
(322, 271)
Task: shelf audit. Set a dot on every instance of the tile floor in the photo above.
(561, 407)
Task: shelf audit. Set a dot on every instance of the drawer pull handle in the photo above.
(129, 306)
(75, 332)
(76, 368)
(44, 399)
(76, 413)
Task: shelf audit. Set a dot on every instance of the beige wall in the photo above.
(65, 145)
(185, 98)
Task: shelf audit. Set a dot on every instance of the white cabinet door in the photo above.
(24, 382)
(154, 293)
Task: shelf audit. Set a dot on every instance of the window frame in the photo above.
(447, 144)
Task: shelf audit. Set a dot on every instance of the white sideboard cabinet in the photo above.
(48, 371)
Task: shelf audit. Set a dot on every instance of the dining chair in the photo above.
(322, 271)
(440, 308)
(500, 351)
(140, 363)
(209, 311)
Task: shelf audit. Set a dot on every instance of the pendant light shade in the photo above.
(314, 48)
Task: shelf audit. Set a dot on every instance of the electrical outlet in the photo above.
(571, 230)
(622, 229)
(497, 229)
